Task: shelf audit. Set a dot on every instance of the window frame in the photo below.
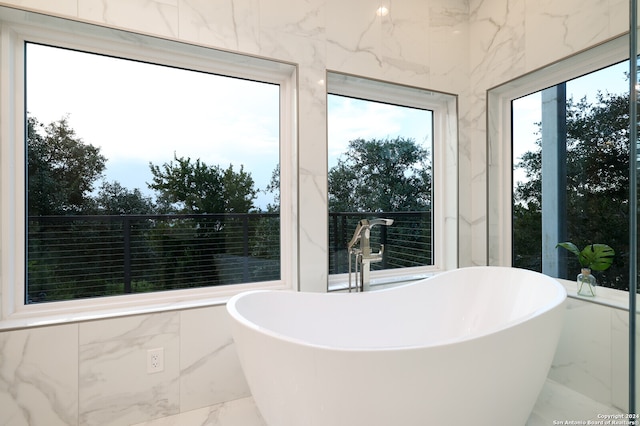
(499, 133)
(17, 27)
(444, 228)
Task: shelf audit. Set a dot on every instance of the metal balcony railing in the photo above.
(71, 257)
(406, 243)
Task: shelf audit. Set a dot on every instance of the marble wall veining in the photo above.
(90, 372)
(94, 373)
(593, 354)
(112, 360)
(39, 376)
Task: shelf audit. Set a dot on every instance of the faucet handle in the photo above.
(376, 257)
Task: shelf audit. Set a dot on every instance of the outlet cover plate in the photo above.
(155, 360)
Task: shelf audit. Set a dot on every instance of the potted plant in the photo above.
(594, 257)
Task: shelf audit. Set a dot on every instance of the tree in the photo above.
(194, 187)
(62, 169)
(115, 199)
(266, 234)
(381, 175)
(190, 187)
(597, 186)
(274, 188)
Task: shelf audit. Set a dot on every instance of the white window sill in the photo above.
(378, 283)
(69, 312)
(610, 297)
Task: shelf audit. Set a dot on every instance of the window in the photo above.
(155, 179)
(571, 175)
(386, 160)
(560, 139)
(142, 166)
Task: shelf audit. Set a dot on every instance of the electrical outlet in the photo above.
(155, 360)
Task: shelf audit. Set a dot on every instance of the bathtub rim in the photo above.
(557, 302)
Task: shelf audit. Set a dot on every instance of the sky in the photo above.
(351, 118)
(139, 113)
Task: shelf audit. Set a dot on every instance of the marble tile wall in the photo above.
(94, 373)
(583, 358)
(112, 369)
(593, 354)
(620, 359)
(89, 373)
(39, 376)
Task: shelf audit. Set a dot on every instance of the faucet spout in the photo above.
(380, 221)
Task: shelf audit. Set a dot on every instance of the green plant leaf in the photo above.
(571, 247)
(597, 257)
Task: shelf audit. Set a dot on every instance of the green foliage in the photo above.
(116, 241)
(381, 175)
(274, 188)
(597, 257)
(597, 186)
(189, 187)
(62, 169)
(375, 176)
(115, 199)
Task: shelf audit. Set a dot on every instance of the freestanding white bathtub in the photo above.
(469, 346)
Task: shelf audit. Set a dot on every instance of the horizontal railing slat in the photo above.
(79, 256)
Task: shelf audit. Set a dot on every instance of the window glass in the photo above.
(145, 177)
(380, 166)
(570, 174)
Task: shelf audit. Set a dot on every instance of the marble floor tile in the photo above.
(241, 412)
(556, 403)
(559, 403)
